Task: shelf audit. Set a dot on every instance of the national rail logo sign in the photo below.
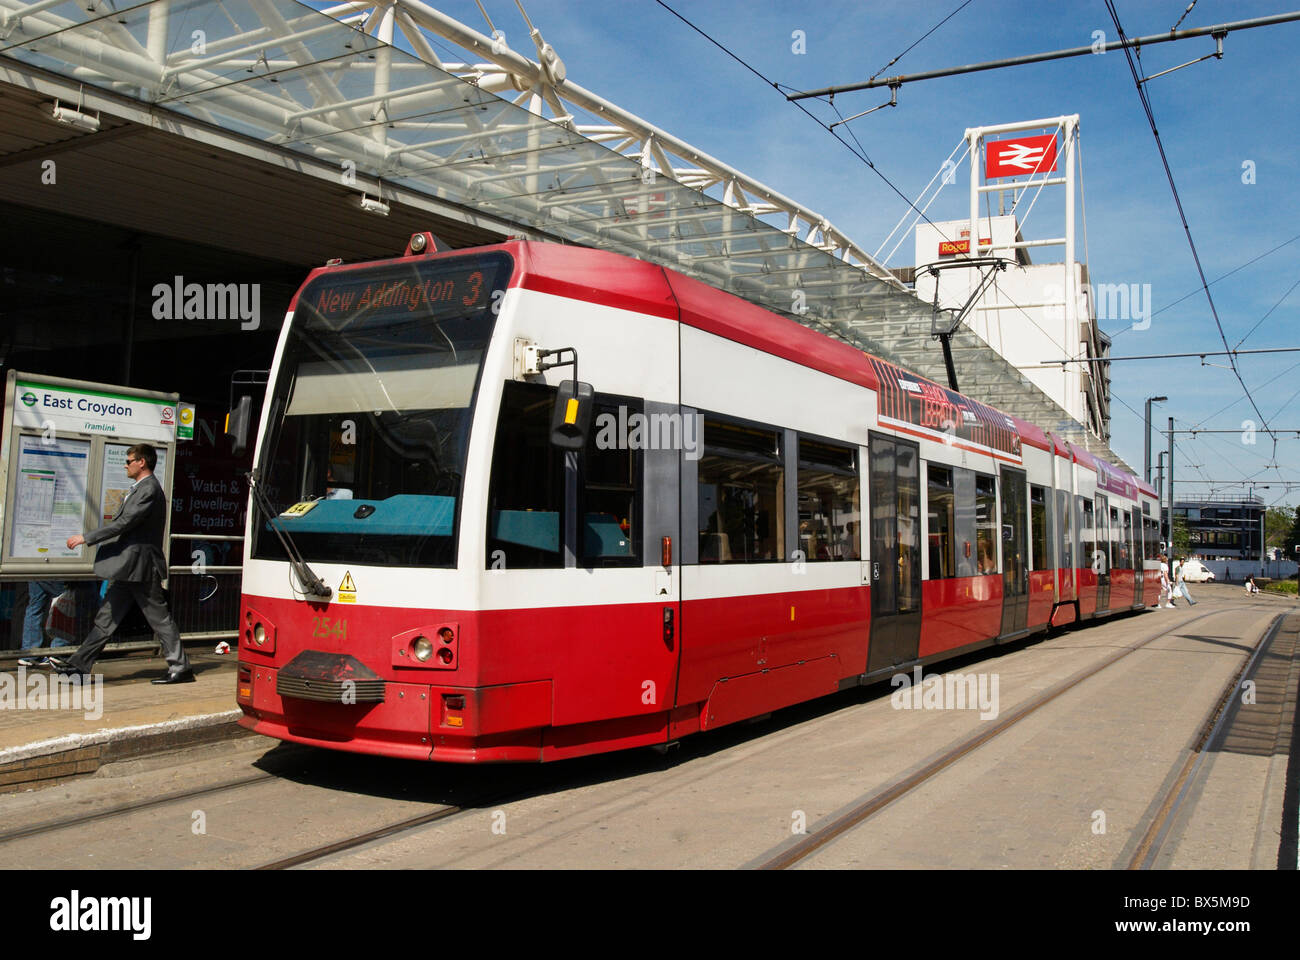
(1020, 156)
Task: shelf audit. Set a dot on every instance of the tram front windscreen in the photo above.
(370, 411)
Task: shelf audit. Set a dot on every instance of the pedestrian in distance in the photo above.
(40, 595)
(1252, 589)
(1166, 600)
(131, 558)
(1180, 584)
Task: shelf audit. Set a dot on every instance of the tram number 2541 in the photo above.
(321, 627)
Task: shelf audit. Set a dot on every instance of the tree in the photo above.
(1182, 545)
(1278, 524)
(1293, 538)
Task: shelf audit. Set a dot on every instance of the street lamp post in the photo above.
(1160, 494)
(1171, 489)
(1146, 439)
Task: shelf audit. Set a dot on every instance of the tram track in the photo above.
(793, 852)
(382, 833)
(1208, 738)
(124, 809)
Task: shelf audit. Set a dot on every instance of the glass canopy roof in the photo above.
(285, 74)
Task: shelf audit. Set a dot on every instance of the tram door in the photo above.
(1133, 548)
(1101, 555)
(895, 471)
(1015, 552)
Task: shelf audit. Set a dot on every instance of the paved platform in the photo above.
(49, 732)
(132, 717)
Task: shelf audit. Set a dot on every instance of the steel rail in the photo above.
(123, 809)
(799, 850)
(1149, 847)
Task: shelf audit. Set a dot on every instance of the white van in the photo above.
(1196, 572)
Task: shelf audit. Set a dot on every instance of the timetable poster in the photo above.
(50, 497)
(115, 483)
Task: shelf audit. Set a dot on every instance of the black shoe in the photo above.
(65, 669)
(184, 676)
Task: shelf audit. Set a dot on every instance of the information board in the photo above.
(63, 450)
(49, 500)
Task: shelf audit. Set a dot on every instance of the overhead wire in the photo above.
(1192, 293)
(859, 151)
(917, 42)
(1260, 386)
(1196, 257)
(1266, 316)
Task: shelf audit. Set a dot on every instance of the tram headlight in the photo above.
(259, 634)
(422, 648)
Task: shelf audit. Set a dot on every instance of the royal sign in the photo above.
(1020, 156)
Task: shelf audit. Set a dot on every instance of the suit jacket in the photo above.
(131, 543)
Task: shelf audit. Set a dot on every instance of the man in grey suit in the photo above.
(132, 559)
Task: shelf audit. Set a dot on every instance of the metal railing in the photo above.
(205, 595)
(204, 600)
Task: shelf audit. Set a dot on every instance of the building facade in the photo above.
(1224, 527)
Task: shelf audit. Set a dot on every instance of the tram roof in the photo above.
(277, 74)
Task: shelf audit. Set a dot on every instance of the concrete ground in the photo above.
(1075, 785)
(120, 713)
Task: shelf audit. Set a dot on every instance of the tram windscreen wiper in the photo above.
(312, 585)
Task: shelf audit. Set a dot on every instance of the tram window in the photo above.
(1087, 532)
(741, 494)
(1038, 527)
(1118, 555)
(829, 517)
(610, 504)
(986, 523)
(939, 532)
(1065, 528)
(526, 492)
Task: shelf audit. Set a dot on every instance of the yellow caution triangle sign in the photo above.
(347, 586)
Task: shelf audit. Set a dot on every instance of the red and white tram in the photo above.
(757, 515)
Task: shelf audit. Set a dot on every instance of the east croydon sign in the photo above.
(64, 409)
(63, 453)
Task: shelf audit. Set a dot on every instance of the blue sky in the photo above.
(1212, 117)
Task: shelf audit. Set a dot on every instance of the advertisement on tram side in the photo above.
(921, 407)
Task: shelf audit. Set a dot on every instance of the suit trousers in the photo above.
(148, 594)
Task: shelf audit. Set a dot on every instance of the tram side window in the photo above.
(1087, 533)
(829, 517)
(1038, 527)
(986, 523)
(1065, 528)
(1118, 555)
(939, 532)
(610, 495)
(1101, 557)
(526, 491)
(741, 494)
